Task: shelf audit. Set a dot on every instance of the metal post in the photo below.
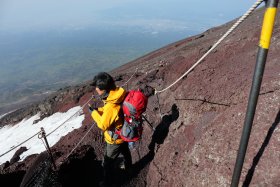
(267, 29)
(48, 147)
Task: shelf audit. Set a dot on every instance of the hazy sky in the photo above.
(25, 15)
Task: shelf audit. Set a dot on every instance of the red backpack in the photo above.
(135, 103)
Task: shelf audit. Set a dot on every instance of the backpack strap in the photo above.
(113, 131)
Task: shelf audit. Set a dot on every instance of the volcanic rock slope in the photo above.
(199, 146)
(198, 122)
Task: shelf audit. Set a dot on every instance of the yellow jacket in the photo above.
(108, 117)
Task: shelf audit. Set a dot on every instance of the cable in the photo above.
(130, 78)
(159, 91)
(70, 117)
(255, 5)
(20, 144)
(79, 141)
(63, 124)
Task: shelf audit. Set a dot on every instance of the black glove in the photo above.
(91, 109)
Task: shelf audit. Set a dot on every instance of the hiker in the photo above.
(109, 118)
(134, 105)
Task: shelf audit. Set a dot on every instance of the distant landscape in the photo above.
(33, 64)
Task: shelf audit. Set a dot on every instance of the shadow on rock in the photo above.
(162, 129)
(13, 179)
(80, 169)
(83, 169)
(158, 138)
(257, 158)
(41, 173)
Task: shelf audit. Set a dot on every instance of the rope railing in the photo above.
(70, 116)
(38, 133)
(80, 141)
(92, 124)
(14, 147)
(255, 5)
(130, 78)
(240, 20)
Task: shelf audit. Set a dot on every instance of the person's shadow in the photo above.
(258, 156)
(162, 129)
(158, 138)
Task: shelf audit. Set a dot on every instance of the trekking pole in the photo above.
(47, 146)
(267, 28)
(149, 124)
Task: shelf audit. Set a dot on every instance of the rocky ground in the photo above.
(198, 122)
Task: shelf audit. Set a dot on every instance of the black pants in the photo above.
(112, 151)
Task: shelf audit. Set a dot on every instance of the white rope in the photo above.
(158, 91)
(80, 141)
(216, 44)
(130, 78)
(64, 123)
(14, 147)
(71, 116)
(38, 133)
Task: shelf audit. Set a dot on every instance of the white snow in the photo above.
(11, 136)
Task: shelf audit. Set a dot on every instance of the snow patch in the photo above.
(11, 136)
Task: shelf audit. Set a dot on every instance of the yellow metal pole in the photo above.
(267, 29)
